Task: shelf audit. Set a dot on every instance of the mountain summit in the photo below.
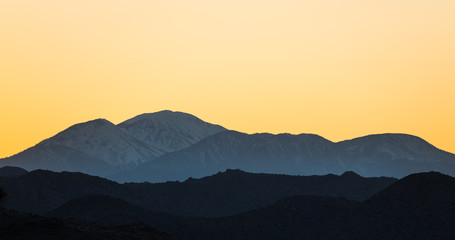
(169, 131)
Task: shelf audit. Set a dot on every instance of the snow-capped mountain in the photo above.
(169, 131)
(305, 154)
(95, 147)
(58, 158)
(100, 147)
(103, 140)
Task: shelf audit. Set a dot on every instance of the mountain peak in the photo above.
(99, 121)
(8, 171)
(169, 131)
(428, 177)
(232, 172)
(94, 122)
(426, 186)
(104, 141)
(161, 116)
(350, 174)
(390, 137)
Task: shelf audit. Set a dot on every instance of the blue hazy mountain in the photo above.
(394, 155)
(230, 149)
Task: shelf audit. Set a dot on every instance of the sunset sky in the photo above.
(337, 68)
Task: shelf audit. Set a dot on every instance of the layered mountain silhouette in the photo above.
(419, 206)
(200, 197)
(222, 194)
(169, 146)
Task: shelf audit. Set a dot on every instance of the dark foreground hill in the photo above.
(114, 211)
(14, 225)
(12, 171)
(420, 206)
(222, 194)
(298, 217)
(105, 209)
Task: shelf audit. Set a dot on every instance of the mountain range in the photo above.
(419, 206)
(169, 146)
(306, 154)
(225, 193)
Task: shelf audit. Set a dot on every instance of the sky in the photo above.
(337, 68)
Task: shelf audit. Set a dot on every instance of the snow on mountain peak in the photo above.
(168, 130)
(104, 140)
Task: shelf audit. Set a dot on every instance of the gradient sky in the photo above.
(337, 68)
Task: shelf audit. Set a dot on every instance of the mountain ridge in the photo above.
(418, 206)
(222, 194)
(167, 130)
(304, 154)
(167, 145)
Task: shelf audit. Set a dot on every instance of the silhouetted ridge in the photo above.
(8, 171)
(419, 206)
(41, 190)
(350, 174)
(433, 187)
(222, 194)
(230, 172)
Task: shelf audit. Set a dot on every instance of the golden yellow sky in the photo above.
(337, 68)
